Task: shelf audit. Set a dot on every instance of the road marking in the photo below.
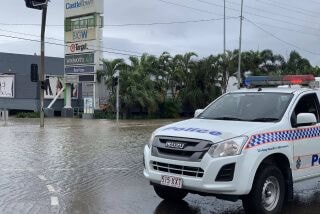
(41, 177)
(54, 201)
(50, 188)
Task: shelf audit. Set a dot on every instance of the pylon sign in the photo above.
(83, 41)
(81, 7)
(83, 33)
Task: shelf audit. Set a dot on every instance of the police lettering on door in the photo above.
(315, 160)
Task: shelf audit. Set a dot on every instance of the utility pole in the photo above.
(42, 66)
(41, 5)
(240, 40)
(224, 48)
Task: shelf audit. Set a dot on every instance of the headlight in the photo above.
(151, 140)
(228, 148)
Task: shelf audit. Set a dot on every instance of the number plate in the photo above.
(171, 181)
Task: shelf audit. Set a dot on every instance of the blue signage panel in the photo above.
(79, 70)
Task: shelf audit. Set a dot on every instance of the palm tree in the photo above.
(201, 87)
(137, 86)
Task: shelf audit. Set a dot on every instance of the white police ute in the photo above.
(251, 144)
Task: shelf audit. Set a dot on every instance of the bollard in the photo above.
(5, 116)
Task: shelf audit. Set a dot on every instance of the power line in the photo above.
(61, 40)
(281, 40)
(266, 11)
(169, 23)
(261, 10)
(63, 45)
(127, 24)
(288, 7)
(262, 16)
(289, 29)
(114, 49)
(192, 8)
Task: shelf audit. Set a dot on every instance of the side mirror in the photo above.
(198, 112)
(306, 119)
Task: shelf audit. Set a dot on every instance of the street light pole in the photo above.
(224, 48)
(224, 27)
(240, 40)
(118, 98)
(117, 77)
(42, 66)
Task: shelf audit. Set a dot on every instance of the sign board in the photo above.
(81, 47)
(6, 86)
(79, 69)
(71, 78)
(87, 78)
(80, 7)
(79, 59)
(53, 84)
(80, 35)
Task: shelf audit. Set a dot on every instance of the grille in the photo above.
(179, 170)
(192, 150)
(226, 173)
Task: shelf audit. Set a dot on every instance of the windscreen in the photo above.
(255, 107)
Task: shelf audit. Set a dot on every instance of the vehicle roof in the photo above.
(275, 90)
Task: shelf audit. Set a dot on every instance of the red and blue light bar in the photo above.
(255, 81)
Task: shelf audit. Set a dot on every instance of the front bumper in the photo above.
(240, 184)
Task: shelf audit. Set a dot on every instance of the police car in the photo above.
(251, 144)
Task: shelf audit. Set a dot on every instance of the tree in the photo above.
(163, 84)
(297, 65)
(137, 87)
(201, 87)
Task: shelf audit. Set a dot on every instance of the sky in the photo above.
(281, 26)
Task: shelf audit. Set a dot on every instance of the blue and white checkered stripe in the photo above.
(287, 135)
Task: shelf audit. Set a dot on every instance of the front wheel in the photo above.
(268, 192)
(169, 193)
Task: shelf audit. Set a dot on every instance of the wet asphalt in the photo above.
(94, 166)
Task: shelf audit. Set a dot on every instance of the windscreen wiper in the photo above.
(265, 119)
(227, 118)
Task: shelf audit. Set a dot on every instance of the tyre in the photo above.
(169, 193)
(267, 193)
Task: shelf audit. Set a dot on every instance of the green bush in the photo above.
(104, 115)
(170, 108)
(28, 115)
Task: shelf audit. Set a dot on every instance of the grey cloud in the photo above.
(204, 38)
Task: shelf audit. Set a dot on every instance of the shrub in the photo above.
(28, 115)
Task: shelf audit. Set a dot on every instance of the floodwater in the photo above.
(94, 166)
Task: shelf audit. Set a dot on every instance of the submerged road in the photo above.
(93, 166)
